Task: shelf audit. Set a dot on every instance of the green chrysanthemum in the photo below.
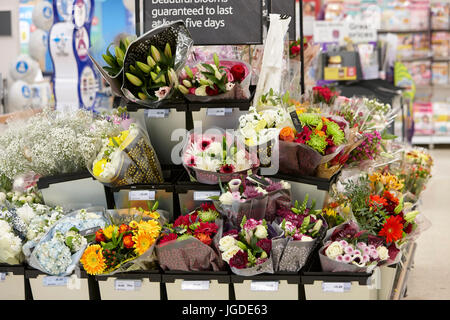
(317, 143)
(208, 216)
(309, 119)
(335, 132)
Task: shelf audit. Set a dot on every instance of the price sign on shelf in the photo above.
(53, 281)
(218, 112)
(158, 113)
(127, 285)
(337, 287)
(205, 195)
(194, 285)
(264, 286)
(141, 195)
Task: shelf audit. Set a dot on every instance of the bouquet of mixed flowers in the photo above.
(248, 251)
(416, 171)
(302, 229)
(126, 242)
(323, 95)
(216, 80)
(322, 138)
(60, 249)
(191, 242)
(254, 197)
(347, 249)
(210, 158)
(125, 159)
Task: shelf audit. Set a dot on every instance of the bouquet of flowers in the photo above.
(26, 145)
(248, 251)
(10, 244)
(210, 158)
(256, 199)
(216, 80)
(321, 139)
(323, 95)
(126, 243)
(125, 159)
(150, 64)
(191, 242)
(347, 249)
(60, 249)
(302, 229)
(416, 171)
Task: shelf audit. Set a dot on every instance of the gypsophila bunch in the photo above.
(51, 142)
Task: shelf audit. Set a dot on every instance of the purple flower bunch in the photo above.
(369, 148)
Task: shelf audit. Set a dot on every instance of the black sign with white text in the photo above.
(210, 22)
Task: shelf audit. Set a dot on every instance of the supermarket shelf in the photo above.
(403, 31)
(431, 140)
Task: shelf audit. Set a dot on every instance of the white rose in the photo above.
(383, 253)
(227, 255)
(226, 243)
(335, 249)
(306, 239)
(226, 198)
(285, 185)
(2, 197)
(261, 232)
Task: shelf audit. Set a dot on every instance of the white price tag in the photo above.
(53, 281)
(336, 286)
(127, 285)
(205, 195)
(158, 113)
(218, 112)
(2, 276)
(195, 285)
(141, 195)
(264, 286)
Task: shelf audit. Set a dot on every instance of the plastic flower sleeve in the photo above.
(176, 35)
(147, 260)
(51, 255)
(115, 81)
(252, 208)
(134, 161)
(265, 267)
(191, 254)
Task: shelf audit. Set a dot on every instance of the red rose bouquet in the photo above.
(190, 242)
(216, 81)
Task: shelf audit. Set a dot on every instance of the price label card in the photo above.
(127, 285)
(205, 195)
(2, 276)
(195, 285)
(53, 281)
(336, 286)
(218, 111)
(158, 113)
(264, 286)
(142, 195)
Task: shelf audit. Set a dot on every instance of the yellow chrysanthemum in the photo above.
(99, 166)
(119, 139)
(93, 260)
(152, 227)
(133, 224)
(108, 231)
(330, 212)
(142, 242)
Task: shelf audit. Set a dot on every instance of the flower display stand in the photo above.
(197, 285)
(279, 286)
(134, 285)
(192, 194)
(139, 195)
(12, 282)
(73, 189)
(45, 287)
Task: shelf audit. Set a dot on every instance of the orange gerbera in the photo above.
(376, 200)
(392, 229)
(93, 260)
(390, 197)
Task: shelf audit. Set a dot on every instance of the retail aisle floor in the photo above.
(430, 277)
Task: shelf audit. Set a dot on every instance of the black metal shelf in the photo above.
(45, 182)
